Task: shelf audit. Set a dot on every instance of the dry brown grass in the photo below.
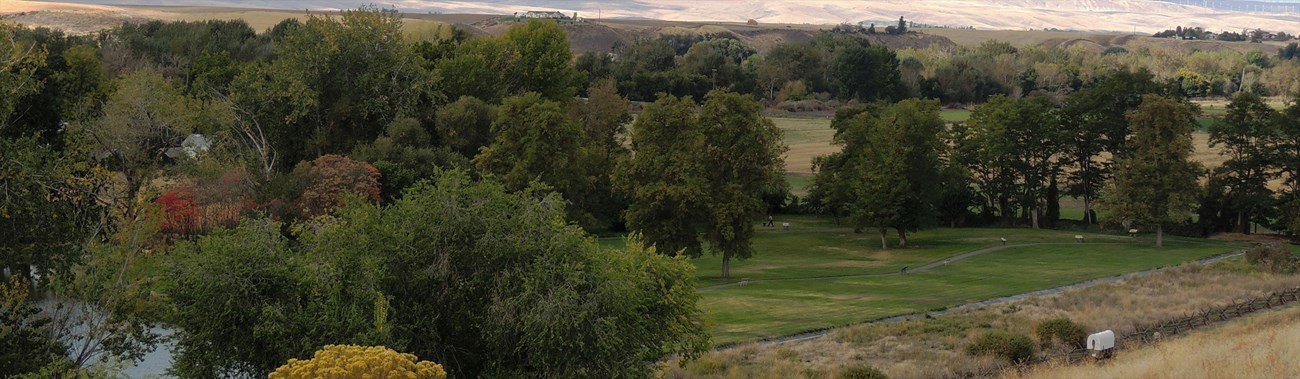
(933, 348)
(1261, 346)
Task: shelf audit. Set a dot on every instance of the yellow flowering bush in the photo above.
(352, 361)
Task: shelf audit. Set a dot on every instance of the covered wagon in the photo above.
(1101, 345)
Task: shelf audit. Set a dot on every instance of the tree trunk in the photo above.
(726, 265)
(902, 238)
(1087, 210)
(1160, 235)
(1033, 216)
(884, 243)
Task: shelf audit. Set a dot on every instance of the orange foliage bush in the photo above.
(329, 177)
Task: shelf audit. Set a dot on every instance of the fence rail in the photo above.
(1146, 334)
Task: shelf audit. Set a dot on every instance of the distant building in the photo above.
(553, 15)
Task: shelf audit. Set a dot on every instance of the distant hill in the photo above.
(603, 33)
(1145, 16)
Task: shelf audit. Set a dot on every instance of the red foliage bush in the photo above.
(179, 213)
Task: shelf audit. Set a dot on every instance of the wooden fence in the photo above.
(1145, 334)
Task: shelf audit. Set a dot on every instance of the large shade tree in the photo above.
(1157, 183)
(697, 178)
(887, 175)
(1248, 135)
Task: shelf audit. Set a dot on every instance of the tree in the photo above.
(1095, 119)
(887, 174)
(465, 125)
(867, 74)
(1157, 182)
(1014, 149)
(663, 180)
(49, 205)
(535, 140)
(67, 85)
(1288, 164)
(389, 276)
(696, 178)
(26, 344)
(19, 62)
(603, 117)
(336, 83)
(545, 63)
(742, 157)
(351, 361)
(1248, 134)
(405, 154)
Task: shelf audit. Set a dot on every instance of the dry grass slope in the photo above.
(1262, 346)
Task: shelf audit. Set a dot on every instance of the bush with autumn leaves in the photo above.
(352, 361)
(313, 188)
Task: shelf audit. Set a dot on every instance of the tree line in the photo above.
(1122, 146)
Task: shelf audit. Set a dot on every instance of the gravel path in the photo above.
(1000, 300)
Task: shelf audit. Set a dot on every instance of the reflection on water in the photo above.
(78, 314)
(156, 362)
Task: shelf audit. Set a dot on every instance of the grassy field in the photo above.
(935, 347)
(820, 275)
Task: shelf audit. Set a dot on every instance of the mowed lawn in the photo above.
(819, 274)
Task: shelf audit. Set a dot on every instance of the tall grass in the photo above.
(1261, 346)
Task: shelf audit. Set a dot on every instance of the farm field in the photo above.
(820, 275)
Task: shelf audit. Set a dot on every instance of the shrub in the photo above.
(351, 361)
(329, 177)
(862, 372)
(1274, 257)
(1062, 330)
(1015, 347)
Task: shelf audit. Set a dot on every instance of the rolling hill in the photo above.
(1145, 16)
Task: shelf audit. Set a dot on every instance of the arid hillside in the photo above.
(1146, 16)
(774, 23)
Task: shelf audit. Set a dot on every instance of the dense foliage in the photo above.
(386, 275)
(352, 361)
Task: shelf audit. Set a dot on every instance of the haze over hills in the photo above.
(1144, 16)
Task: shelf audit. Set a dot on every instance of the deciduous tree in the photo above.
(1157, 183)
